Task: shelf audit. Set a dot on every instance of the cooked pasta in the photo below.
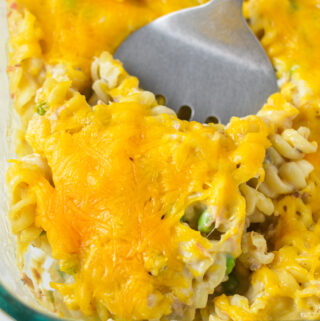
(286, 288)
(286, 170)
(254, 251)
(139, 215)
(22, 200)
(257, 204)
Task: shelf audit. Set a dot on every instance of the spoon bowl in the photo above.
(205, 61)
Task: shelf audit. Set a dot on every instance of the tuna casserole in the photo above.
(135, 214)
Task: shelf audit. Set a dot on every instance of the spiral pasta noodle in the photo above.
(147, 217)
(286, 170)
(25, 69)
(283, 274)
(66, 110)
(111, 83)
(23, 202)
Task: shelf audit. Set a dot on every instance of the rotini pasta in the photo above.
(286, 171)
(141, 216)
(254, 251)
(257, 204)
(285, 288)
(22, 200)
(66, 112)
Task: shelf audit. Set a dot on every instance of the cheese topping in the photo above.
(122, 180)
(74, 31)
(148, 214)
(288, 30)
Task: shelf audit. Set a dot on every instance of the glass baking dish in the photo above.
(15, 298)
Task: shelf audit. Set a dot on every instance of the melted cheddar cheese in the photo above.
(288, 30)
(115, 179)
(122, 180)
(288, 288)
(74, 31)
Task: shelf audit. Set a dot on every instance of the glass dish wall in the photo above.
(15, 298)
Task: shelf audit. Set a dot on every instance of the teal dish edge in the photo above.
(20, 311)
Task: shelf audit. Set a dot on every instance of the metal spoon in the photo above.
(205, 61)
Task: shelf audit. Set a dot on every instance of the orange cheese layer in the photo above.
(289, 30)
(76, 30)
(122, 181)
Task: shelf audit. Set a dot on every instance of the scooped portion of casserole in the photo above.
(144, 216)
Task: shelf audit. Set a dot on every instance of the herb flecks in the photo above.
(293, 5)
(42, 108)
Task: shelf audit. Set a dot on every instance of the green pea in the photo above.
(230, 287)
(230, 263)
(41, 108)
(205, 222)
